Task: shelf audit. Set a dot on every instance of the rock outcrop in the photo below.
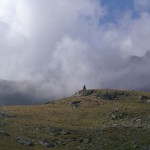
(110, 95)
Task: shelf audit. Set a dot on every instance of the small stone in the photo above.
(6, 115)
(146, 147)
(85, 140)
(148, 101)
(75, 104)
(47, 143)
(26, 142)
(63, 132)
(2, 124)
(4, 134)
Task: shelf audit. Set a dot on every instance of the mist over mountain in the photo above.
(18, 93)
(51, 49)
(134, 75)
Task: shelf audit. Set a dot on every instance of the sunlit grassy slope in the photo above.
(97, 123)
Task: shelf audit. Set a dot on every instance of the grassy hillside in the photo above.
(89, 120)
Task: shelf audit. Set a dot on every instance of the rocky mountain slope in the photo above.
(89, 120)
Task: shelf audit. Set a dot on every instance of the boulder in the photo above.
(111, 95)
(84, 93)
(143, 97)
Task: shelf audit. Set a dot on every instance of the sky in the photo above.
(49, 49)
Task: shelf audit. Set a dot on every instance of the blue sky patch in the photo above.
(117, 8)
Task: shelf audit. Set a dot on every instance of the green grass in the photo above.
(110, 124)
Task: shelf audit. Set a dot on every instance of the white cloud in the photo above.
(142, 5)
(62, 44)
